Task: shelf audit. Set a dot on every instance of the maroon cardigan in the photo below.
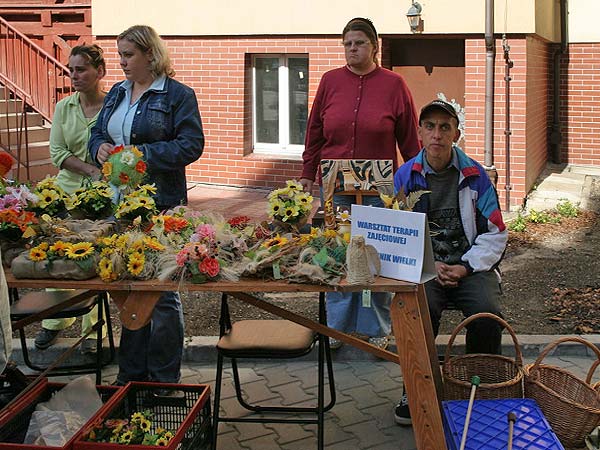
(360, 117)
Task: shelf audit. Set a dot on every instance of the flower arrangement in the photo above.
(83, 254)
(50, 198)
(92, 201)
(133, 255)
(290, 204)
(6, 162)
(137, 430)
(125, 168)
(138, 203)
(199, 261)
(16, 224)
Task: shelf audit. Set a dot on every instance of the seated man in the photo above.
(468, 234)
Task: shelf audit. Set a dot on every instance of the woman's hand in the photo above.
(104, 152)
(307, 184)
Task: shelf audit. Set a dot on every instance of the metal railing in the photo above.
(32, 79)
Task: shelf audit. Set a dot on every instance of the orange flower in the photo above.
(175, 224)
(6, 162)
(117, 149)
(124, 177)
(140, 166)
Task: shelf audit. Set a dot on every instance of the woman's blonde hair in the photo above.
(147, 39)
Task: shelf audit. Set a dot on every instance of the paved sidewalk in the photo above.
(361, 419)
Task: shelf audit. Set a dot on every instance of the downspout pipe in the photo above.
(556, 133)
(490, 57)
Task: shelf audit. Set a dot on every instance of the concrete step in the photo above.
(15, 119)
(37, 133)
(10, 106)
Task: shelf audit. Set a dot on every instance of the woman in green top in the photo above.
(73, 120)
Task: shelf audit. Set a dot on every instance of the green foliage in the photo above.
(567, 209)
(519, 224)
(542, 217)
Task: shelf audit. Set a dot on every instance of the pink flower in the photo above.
(205, 231)
(182, 257)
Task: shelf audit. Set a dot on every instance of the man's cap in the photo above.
(440, 105)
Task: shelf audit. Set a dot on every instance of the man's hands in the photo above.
(449, 275)
(104, 152)
(307, 184)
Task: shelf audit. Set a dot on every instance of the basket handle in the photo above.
(556, 343)
(590, 374)
(468, 320)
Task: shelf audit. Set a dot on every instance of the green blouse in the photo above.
(69, 136)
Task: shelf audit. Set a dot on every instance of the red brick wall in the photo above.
(580, 104)
(217, 69)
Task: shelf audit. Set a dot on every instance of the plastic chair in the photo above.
(272, 339)
(38, 305)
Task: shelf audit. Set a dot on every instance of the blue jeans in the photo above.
(154, 352)
(345, 311)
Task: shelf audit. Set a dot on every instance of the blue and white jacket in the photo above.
(478, 203)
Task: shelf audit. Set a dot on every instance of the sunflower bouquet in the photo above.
(290, 205)
(132, 255)
(137, 430)
(137, 204)
(125, 167)
(50, 198)
(92, 201)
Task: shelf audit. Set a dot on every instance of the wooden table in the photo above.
(417, 355)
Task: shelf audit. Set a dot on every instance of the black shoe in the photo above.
(169, 393)
(45, 338)
(402, 413)
(88, 347)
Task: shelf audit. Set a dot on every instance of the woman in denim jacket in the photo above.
(160, 116)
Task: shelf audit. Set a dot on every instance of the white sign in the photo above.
(401, 239)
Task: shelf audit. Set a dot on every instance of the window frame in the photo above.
(283, 147)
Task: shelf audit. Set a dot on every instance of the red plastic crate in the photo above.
(14, 420)
(188, 416)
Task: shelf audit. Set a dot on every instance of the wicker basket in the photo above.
(571, 405)
(595, 386)
(501, 377)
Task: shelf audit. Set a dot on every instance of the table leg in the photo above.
(135, 307)
(420, 369)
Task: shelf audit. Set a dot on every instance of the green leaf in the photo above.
(321, 258)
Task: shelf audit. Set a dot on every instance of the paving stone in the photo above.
(228, 441)
(349, 414)
(268, 442)
(250, 431)
(380, 380)
(365, 397)
(368, 434)
(292, 394)
(290, 432)
(276, 376)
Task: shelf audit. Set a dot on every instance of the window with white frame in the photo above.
(279, 103)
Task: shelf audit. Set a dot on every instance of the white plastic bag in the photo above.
(54, 422)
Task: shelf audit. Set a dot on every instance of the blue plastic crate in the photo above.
(488, 426)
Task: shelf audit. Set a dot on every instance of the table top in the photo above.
(243, 285)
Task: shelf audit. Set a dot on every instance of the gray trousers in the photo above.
(478, 292)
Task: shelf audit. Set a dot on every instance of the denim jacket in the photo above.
(167, 128)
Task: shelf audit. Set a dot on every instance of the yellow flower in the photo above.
(169, 435)
(60, 247)
(81, 250)
(294, 185)
(145, 425)
(125, 437)
(47, 196)
(44, 246)
(276, 208)
(330, 233)
(136, 151)
(135, 264)
(105, 264)
(37, 254)
(137, 417)
(137, 248)
(274, 242)
(290, 212)
(162, 442)
(107, 168)
(153, 244)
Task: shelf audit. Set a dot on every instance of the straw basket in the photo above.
(595, 386)
(571, 405)
(501, 377)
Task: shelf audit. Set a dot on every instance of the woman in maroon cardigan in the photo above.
(360, 111)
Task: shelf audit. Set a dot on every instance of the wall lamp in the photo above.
(414, 17)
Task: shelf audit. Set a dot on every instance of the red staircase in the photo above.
(32, 81)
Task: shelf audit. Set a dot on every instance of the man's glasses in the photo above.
(348, 44)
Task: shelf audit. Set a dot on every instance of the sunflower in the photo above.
(153, 244)
(107, 169)
(162, 442)
(275, 242)
(60, 247)
(136, 264)
(81, 250)
(145, 425)
(290, 212)
(126, 437)
(37, 254)
(47, 196)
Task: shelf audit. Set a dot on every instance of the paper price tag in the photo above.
(366, 298)
(276, 271)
